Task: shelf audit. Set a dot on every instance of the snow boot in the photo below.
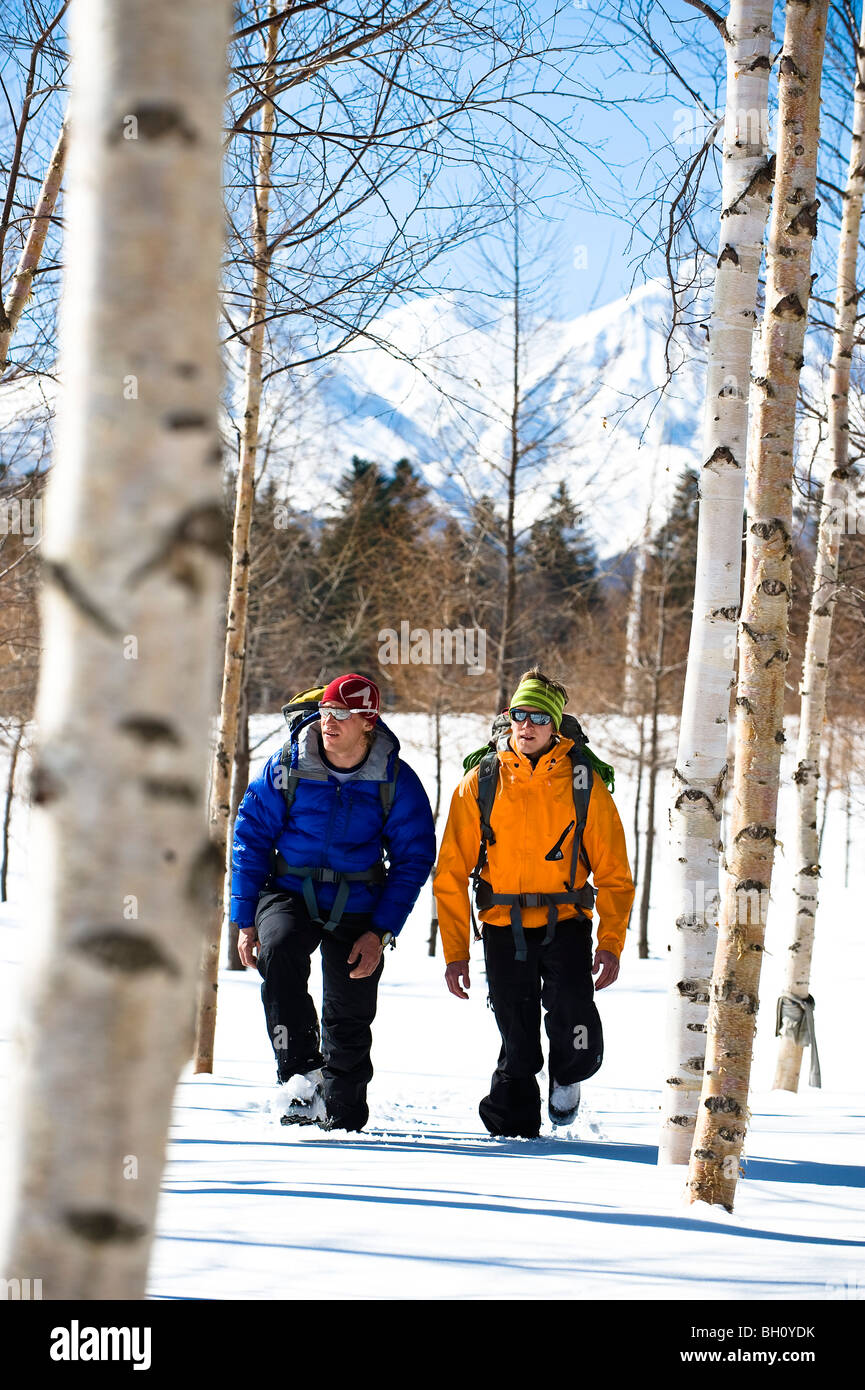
(302, 1100)
(564, 1103)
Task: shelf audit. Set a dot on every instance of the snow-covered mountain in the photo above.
(440, 391)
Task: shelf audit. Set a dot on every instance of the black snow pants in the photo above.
(559, 976)
(287, 938)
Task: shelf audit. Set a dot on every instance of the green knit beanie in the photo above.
(534, 692)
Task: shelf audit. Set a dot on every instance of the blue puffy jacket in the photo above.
(335, 825)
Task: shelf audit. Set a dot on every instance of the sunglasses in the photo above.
(336, 711)
(519, 716)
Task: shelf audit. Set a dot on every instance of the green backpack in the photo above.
(583, 763)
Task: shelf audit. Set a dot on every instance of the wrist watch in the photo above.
(387, 939)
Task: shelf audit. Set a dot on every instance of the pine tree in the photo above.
(676, 541)
(559, 576)
(362, 556)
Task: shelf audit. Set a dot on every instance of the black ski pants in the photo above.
(559, 976)
(287, 938)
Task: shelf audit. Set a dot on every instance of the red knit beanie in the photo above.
(353, 692)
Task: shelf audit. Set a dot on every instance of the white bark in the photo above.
(132, 554)
(700, 771)
(763, 635)
(833, 512)
(238, 589)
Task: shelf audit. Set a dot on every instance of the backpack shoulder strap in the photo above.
(582, 778)
(488, 780)
(387, 790)
(287, 778)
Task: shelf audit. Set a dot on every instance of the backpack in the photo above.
(300, 710)
(583, 763)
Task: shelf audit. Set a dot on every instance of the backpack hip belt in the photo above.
(583, 897)
(316, 873)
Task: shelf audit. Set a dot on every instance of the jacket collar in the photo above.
(556, 753)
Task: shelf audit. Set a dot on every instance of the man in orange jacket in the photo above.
(536, 954)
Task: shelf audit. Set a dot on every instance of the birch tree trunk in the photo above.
(7, 809)
(815, 670)
(505, 671)
(238, 590)
(633, 671)
(132, 565)
(763, 654)
(700, 770)
(22, 281)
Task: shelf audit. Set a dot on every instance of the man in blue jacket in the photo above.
(314, 876)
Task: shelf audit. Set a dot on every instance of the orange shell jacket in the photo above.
(531, 809)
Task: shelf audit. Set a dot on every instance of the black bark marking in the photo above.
(170, 789)
(202, 527)
(790, 307)
(728, 254)
(102, 1226)
(150, 729)
(57, 573)
(722, 1105)
(805, 221)
(729, 993)
(45, 785)
(156, 121)
(694, 794)
(773, 587)
(187, 420)
(721, 455)
(756, 832)
(767, 529)
(729, 615)
(691, 989)
(760, 184)
(204, 875)
(116, 948)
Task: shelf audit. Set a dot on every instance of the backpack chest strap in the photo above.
(583, 898)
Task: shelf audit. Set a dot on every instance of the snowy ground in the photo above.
(426, 1205)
